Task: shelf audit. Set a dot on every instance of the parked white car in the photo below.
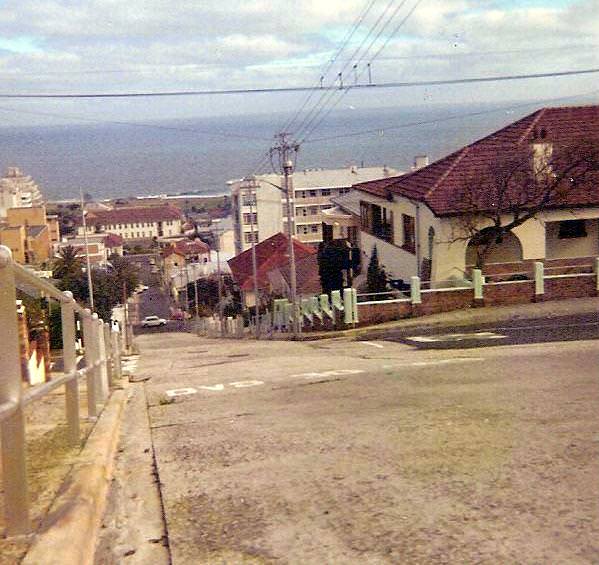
(151, 321)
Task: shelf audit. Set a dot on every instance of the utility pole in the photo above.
(285, 150)
(251, 186)
(90, 286)
(217, 233)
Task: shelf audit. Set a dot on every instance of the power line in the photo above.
(298, 88)
(449, 118)
(325, 70)
(378, 52)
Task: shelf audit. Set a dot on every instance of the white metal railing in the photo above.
(102, 365)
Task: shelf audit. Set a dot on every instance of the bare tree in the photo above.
(517, 186)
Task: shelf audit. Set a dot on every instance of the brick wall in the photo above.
(519, 292)
(369, 314)
(445, 301)
(570, 287)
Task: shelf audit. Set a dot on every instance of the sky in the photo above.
(58, 46)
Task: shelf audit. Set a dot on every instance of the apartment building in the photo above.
(135, 223)
(18, 191)
(259, 209)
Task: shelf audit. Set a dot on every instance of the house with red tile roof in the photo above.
(541, 166)
(271, 254)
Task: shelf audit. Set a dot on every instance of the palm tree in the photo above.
(67, 265)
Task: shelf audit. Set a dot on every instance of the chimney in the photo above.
(419, 162)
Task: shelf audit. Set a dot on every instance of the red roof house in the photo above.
(272, 253)
(546, 163)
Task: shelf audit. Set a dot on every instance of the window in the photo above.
(344, 190)
(376, 220)
(302, 230)
(312, 193)
(250, 218)
(409, 233)
(569, 229)
(313, 210)
(326, 192)
(249, 237)
(304, 211)
(302, 194)
(314, 228)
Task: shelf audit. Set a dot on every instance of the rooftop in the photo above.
(133, 214)
(438, 184)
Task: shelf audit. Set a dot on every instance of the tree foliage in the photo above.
(376, 276)
(520, 185)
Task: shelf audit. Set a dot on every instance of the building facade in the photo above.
(18, 191)
(259, 208)
(135, 223)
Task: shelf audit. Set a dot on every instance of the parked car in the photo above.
(152, 321)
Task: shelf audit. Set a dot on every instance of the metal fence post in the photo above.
(14, 471)
(69, 356)
(91, 357)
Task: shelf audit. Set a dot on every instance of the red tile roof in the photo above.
(113, 240)
(440, 184)
(270, 254)
(195, 247)
(149, 214)
(307, 276)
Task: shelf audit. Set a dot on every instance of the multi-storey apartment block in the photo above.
(259, 208)
(135, 223)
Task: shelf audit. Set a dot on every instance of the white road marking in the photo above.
(214, 388)
(180, 391)
(371, 343)
(333, 373)
(245, 384)
(455, 337)
(434, 362)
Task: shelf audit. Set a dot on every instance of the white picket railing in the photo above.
(102, 365)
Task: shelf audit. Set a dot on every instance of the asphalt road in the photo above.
(542, 330)
(340, 451)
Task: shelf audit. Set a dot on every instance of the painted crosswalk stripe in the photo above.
(455, 337)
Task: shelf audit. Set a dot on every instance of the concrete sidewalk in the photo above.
(473, 316)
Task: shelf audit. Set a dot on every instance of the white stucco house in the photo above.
(417, 221)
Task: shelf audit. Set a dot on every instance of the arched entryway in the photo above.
(507, 249)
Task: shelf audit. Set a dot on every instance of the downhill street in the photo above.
(371, 451)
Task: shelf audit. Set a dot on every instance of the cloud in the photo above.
(58, 45)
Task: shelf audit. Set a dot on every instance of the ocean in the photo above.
(110, 160)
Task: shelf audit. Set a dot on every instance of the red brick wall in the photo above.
(518, 292)
(369, 314)
(445, 301)
(569, 287)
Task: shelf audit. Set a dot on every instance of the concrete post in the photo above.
(116, 355)
(69, 356)
(596, 268)
(12, 428)
(355, 305)
(325, 305)
(102, 378)
(91, 357)
(477, 280)
(539, 280)
(415, 295)
(347, 305)
(109, 355)
(336, 300)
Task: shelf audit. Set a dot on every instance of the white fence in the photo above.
(102, 365)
